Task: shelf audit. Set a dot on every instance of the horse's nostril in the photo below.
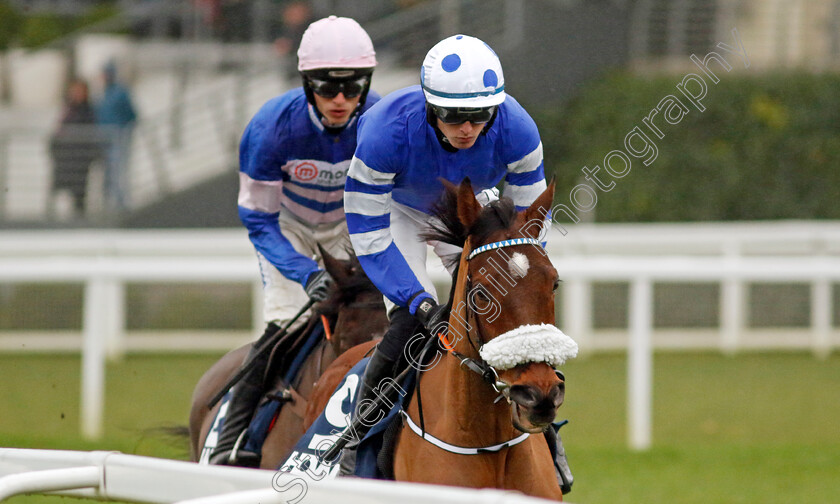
(558, 394)
(525, 395)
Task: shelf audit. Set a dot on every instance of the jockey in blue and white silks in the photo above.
(293, 161)
(398, 165)
(292, 171)
(457, 123)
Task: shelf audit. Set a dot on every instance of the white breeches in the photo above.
(406, 226)
(283, 298)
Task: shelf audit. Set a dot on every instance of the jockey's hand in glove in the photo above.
(487, 196)
(431, 315)
(318, 285)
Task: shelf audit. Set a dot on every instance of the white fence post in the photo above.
(577, 316)
(114, 315)
(640, 365)
(93, 357)
(731, 314)
(821, 317)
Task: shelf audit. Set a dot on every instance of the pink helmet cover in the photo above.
(335, 42)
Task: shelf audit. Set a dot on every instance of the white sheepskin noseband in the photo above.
(529, 343)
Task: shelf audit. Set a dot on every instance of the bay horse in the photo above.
(477, 426)
(354, 314)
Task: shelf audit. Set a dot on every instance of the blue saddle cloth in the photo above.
(334, 420)
(267, 411)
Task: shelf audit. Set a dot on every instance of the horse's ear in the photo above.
(468, 206)
(542, 205)
(336, 268)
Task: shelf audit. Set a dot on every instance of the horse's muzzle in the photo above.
(535, 406)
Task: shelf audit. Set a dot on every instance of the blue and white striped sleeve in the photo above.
(367, 206)
(260, 185)
(525, 179)
(522, 154)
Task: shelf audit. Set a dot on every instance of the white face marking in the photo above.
(518, 265)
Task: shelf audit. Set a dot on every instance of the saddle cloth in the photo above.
(306, 458)
(270, 406)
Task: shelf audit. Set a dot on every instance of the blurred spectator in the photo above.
(295, 19)
(75, 145)
(115, 113)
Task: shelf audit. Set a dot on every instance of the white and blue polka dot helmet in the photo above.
(462, 71)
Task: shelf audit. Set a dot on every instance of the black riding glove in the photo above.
(431, 314)
(318, 285)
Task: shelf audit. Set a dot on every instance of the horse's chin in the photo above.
(525, 422)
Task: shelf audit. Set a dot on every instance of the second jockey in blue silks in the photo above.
(293, 160)
(457, 123)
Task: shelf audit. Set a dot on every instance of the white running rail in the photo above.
(731, 255)
(114, 476)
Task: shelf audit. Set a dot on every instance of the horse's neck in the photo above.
(458, 406)
(460, 403)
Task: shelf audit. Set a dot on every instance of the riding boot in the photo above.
(379, 368)
(245, 396)
(561, 464)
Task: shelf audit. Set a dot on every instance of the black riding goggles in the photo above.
(460, 115)
(331, 88)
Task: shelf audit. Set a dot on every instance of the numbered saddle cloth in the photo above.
(305, 459)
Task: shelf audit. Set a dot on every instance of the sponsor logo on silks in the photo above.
(306, 459)
(305, 171)
(308, 171)
(213, 435)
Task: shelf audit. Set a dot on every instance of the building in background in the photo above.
(195, 85)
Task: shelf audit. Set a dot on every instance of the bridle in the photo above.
(479, 365)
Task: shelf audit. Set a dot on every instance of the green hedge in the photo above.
(33, 30)
(766, 147)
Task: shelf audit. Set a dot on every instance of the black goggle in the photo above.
(331, 88)
(460, 115)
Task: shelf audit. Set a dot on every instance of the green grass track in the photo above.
(756, 428)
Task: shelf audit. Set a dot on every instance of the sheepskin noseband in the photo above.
(529, 343)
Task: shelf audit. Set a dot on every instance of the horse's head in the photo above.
(354, 303)
(507, 294)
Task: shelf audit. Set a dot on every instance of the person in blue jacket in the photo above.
(116, 114)
(293, 161)
(457, 123)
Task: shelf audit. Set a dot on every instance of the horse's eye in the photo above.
(556, 284)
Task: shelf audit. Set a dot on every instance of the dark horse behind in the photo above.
(354, 314)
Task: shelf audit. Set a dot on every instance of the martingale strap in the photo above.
(461, 450)
(502, 244)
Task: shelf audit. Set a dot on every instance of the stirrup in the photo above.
(237, 457)
(347, 460)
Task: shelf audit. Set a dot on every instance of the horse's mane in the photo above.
(348, 289)
(447, 227)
